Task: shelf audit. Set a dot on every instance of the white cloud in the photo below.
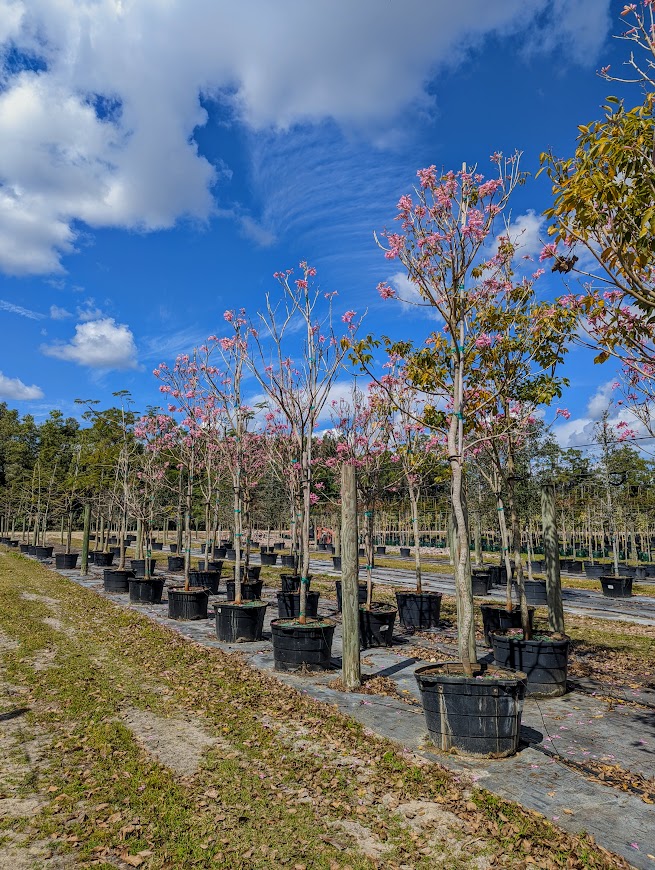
(601, 400)
(14, 388)
(103, 133)
(57, 313)
(102, 344)
(18, 309)
(526, 231)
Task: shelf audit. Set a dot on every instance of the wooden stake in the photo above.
(351, 665)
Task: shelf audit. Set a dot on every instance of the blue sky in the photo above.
(158, 162)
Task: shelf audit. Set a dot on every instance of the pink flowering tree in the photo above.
(400, 408)
(362, 440)
(457, 269)
(297, 358)
(283, 463)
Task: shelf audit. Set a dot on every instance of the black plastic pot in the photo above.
(595, 572)
(404, 552)
(480, 583)
(219, 552)
(115, 550)
(288, 604)
(176, 563)
(117, 580)
(24, 548)
(205, 580)
(146, 591)
(13, 544)
(66, 561)
(496, 617)
(291, 582)
(240, 623)
(543, 659)
(376, 625)
(31, 550)
(288, 561)
(302, 647)
(251, 590)
(361, 593)
(419, 610)
(187, 604)
(42, 553)
(231, 554)
(278, 545)
(626, 571)
(252, 573)
(157, 545)
(616, 587)
(479, 715)
(268, 558)
(380, 551)
(538, 565)
(494, 574)
(139, 567)
(535, 593)
(336, 563)
(216, 565)
(321, 546)
(103, 560)
(173, 548)
(361, 551)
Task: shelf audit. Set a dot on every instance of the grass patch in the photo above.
(285, 775)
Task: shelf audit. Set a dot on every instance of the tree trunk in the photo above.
(351, 663)
(551, 551)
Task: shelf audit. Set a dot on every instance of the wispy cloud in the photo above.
(14, 388)
(18, 309)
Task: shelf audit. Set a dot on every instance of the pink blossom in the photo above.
(483, 340)
(562, 412)
(348, 316)
(385, 291)
(427, 176)
(548, 251)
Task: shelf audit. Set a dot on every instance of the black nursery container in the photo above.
(288, 604)
(66, 561)
(543, 659)
(380, 551)
(240, 623)
(404, 552)
(481, 583)
(376, 625)
(268, 558)
(187, 604)
(535, 593)
(205, 579)
(24, 548)
(139, 567)
(251, 590)
(291, 582)
(595, 572)
(302, 647)
(43, 553)
(361, 593)
(336, 563)
(146, 591)
(176, 563)
(288, 561)
(103, 560)
(478, 715)
(497, 618)
(117, 580)
(419, 610)
(173, 548)
(616, 587)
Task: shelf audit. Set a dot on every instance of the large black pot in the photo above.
(103, 560)
(626, 571)
(288, 604)
(146, 591)
(251, 590)
(478, 715)
(43, 553)
(481, 583)
(616, 587)
(157, 545)
(13, 544)
(231, 554)
(404, 552)
(176, 563)
(173, 548)
(361, 551)
(496, 617)
(66, 561)
(419, 610)
(117, 580)
(268, 558)
(376, 625)
(543, 659)
(31, 549)
(240, 623)
(187, 604)
(302, 647)
(24, 548)
(219, 552)
(115, 550)
(291, 582)
(205, 579)
(336, 563)
(288, 561)
(595, 572)
(361, 593)
(139, 567)
(538, 565)
(380, 551)
(253, 571)
(215, 565)
(278, 545)
(535, 593)
(321, 546)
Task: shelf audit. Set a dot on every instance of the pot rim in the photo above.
(438, 673)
